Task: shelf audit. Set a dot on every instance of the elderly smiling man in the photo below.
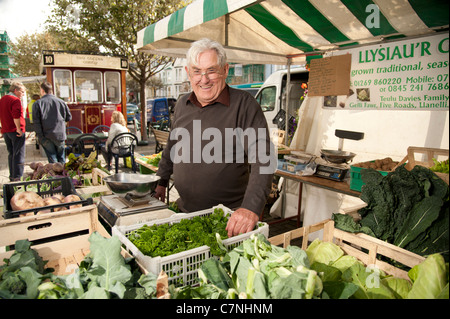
(219, 150)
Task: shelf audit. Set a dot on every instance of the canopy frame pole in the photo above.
(227, 22)
(288, 84)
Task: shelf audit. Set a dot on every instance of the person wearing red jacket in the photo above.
(13, 129)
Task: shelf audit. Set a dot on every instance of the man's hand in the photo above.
(241, 221)
(19, 132)
(160, 193)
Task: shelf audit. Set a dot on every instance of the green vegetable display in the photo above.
(154, 160)
(165, 239)
(409, 209)
(440, 166)
(255, 269)
(258, 270)
(103, 274)
(21, 274)
(83, 164)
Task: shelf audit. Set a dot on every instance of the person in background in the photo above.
(13, 129)
(118, 125)
(30, 107)
(50, 115)
(29, 119)
(200, 182)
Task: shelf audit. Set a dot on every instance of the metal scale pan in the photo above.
(335, 165)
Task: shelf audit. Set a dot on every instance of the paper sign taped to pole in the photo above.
(330, 76)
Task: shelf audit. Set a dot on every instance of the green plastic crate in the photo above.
(356, 182)
(145, 170)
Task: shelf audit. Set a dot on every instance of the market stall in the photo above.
(376, 36)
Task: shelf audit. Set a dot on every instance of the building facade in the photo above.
(5, 62)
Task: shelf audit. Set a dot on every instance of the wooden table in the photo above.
(334, 186)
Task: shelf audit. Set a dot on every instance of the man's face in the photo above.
(19, 92)
(207, 78)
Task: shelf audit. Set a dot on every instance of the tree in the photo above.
(111, 26)
(27, 53)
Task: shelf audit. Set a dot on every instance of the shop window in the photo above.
(112, 87)
(267, 98)
(63, 85)
(88, 86)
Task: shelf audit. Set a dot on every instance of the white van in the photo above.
(272, 94)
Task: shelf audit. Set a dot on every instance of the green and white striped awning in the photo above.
(270, 31)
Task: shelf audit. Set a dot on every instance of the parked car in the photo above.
(158, 111)
(133, 112)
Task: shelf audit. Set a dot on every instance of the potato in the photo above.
(59, 196)
(48, 167)
(392, 165)
(50, 201)
(72, 198)
(58, 167)
(378, 163)
(26, 200)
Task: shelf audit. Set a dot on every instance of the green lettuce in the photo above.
(429, 278)
(323, 252)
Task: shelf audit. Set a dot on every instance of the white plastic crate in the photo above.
(181, 268)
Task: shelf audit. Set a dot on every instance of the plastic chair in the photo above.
(101, 128)
(85, 144)
(73, 130)
(69, 131)
(122, 145)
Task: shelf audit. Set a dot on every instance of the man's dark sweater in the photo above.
(205, 176)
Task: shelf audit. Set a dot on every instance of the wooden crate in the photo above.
(98, 185)
(60, 237)
(427, 154)
(355, 245)
(95, 177)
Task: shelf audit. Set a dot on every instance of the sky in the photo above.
(18, 17)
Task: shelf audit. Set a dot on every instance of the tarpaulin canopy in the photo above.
(270, 31)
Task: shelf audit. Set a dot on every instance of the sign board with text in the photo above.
(403, 75)
(57, 59)
(330, 76)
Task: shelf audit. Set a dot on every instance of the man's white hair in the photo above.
(203, 45)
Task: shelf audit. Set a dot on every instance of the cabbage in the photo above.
(430, 278)
(399, 286)
(323, 252)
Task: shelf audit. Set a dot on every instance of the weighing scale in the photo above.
(112, 207)
(333, 164)
(336, 172)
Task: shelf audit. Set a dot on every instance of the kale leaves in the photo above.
(409, 209)
(167, 239)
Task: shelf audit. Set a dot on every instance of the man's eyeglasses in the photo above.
(211, 74)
